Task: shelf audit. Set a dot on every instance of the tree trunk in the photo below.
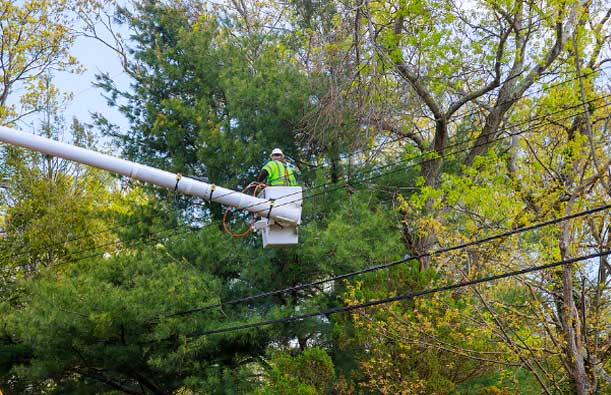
(572, 333)
(336, 167)
(424, 239)
(570, 322)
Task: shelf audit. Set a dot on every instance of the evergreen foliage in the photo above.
(416, 125)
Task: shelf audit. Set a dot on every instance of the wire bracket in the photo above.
(271, 206)
(178, 178)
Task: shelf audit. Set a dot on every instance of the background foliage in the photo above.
(416, 126)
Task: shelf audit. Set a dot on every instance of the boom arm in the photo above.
(286, 213)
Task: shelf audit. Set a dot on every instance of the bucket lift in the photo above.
(278, 207)
(276, 232)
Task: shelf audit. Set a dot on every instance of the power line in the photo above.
(504, 128)
(402, 165)
(306, 197)
(394, 167)
(160, 234)
(167, 233)
(473, 112)
(140, 240)
(30, 251)
(476, 111)
(394, 263)
(506, 79)
(397, 262)
(511, 78)
(460, 143)
(397, 167)
(406, 296)
(130, 243)
(81, 237)
(157, 236)
(270, 293)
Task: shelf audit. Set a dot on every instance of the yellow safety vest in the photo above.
(279, 174)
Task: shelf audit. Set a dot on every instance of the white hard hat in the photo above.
(277, 151)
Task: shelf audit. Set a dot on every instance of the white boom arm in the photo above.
(286, 212)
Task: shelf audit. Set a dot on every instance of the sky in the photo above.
(96, 58)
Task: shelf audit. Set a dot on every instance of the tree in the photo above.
(309, 373)
(343, 88)
(488, 48)
(49, 201)
(36, 39)
(105, 324)
(538, 321)
(202, 104)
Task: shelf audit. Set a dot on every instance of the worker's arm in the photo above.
(262, 175)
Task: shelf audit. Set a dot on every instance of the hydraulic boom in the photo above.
(286, 210)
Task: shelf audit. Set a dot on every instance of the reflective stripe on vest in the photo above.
(279, 174)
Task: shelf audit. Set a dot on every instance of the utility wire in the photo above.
(161, 235)
(394, 263)
(479, 111)
(129, 244)
(507, 127)
(397, 167)
(155, 236)
(46, 247)
(402, 165)
(407, 296)
(500, 84)
(173, 233)
(455, 144)
(549, 87)
(320, 186)
(168, 233)
(378, 267)
(392, 169)
(473, 113)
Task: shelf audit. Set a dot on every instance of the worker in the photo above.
(277, 172)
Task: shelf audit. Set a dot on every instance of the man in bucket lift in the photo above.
(282, 190)
(277, 172)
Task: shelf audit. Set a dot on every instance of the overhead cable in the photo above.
(402, 165)
(394, 263)
(407, 296)
(475, 112)
(392, 168)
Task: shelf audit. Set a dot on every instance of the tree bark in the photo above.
(571, 326)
